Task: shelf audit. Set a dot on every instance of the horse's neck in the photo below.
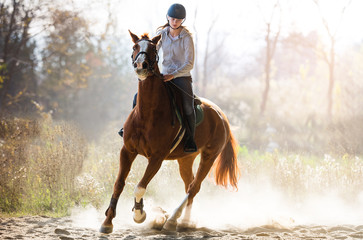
(152, 95)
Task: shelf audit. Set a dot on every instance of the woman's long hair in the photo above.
(163, 26)
(159, 29)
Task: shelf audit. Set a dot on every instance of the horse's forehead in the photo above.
(143, 45)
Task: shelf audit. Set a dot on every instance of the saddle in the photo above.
(177, 113)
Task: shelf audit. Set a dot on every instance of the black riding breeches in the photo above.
(186, 89)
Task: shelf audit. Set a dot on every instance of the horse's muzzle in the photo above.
(141, 73)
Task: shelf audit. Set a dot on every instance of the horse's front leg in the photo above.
(151, 169)
(126, 160)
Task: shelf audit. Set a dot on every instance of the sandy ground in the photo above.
(41, 227)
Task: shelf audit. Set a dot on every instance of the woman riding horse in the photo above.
(178, 54)
(149, 132)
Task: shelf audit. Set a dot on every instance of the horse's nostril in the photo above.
(144, 65)
(135, 65)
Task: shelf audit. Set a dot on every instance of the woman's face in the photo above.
(175, 22)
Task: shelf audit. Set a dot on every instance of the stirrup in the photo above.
(121, 132)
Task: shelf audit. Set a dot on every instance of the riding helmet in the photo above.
(177, 11)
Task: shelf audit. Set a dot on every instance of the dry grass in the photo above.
(40, 160)
(299, 176)
(47, 168)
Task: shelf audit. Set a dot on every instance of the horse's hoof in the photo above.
(185, 224)
(106, 229)
(170, 225)
(140, 219)
(158, 222)
(159, 219)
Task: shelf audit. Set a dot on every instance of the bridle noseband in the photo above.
(151, 63)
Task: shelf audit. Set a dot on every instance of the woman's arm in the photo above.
(188, 64)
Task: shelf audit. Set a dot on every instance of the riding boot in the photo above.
(190, 145)
(121, 132)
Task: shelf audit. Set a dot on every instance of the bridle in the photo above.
(151, 62)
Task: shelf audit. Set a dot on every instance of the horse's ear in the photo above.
(134, 37)
(156, 39)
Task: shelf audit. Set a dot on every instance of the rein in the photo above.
(181, 89)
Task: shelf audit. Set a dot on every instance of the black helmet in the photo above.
(177, 11)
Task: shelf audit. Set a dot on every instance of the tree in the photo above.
(329, 55)
(65, 68)
(271, 40)
(17, 58)
(112, 85)
(212, 56)
(206, 70)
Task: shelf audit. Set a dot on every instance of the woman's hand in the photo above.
(167, 77)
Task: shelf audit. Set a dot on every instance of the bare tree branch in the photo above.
(206, 56)
(329, 56)
(271, 42)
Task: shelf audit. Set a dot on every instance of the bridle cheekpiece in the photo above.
(151, 62)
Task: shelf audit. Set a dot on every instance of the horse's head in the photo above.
(144, 57)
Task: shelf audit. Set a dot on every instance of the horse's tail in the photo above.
(225, 168)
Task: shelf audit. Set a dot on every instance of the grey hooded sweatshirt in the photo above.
(178, 54)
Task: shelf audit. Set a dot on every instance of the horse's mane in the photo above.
(145, 36)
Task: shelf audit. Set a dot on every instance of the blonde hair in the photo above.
(159, 29)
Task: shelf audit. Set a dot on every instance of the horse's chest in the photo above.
(134, 141)
(151, 138)
(146, 144)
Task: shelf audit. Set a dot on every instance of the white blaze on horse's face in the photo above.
(141, 64)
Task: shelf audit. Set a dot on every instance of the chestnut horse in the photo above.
(148, 131)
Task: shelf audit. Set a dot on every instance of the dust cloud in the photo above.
(254, 205)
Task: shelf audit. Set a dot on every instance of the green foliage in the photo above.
(40, 162)
(15, 134)
(3, 75)
(301, 175)
(45, 170)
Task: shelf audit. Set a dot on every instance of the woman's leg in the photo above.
(185, 86)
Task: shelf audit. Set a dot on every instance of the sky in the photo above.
(242, 22)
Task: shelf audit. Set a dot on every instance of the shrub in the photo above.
(40, 161)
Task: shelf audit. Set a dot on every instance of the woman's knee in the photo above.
(188, 107)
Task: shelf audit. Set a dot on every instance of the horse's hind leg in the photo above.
(207, 159)
(205, 165)
(126, 160)
(186, 172)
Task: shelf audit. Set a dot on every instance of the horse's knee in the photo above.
(193, 190)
